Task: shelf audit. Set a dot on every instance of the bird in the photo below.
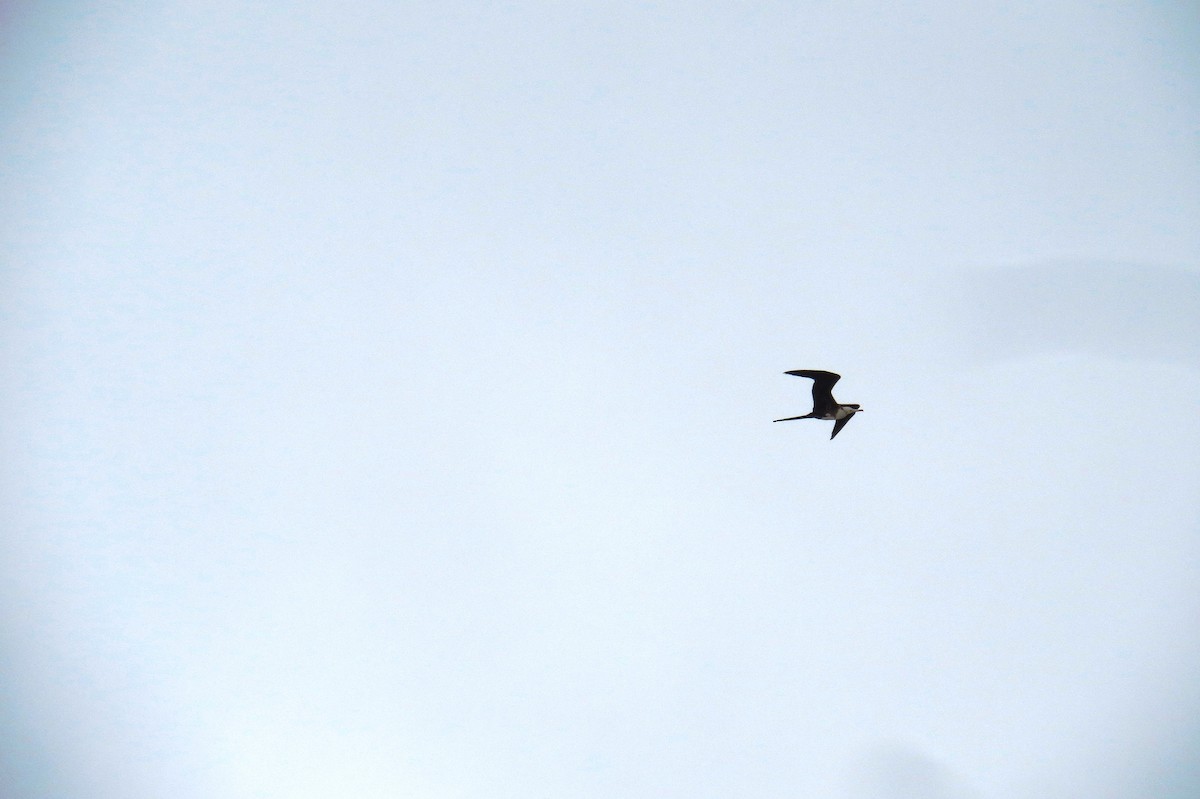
(824, 405)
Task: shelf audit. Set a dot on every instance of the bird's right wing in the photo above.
(822, 390)
(825, 380)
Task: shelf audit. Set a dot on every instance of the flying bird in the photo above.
(824, 405)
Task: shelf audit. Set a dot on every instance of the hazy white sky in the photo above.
(387, 397)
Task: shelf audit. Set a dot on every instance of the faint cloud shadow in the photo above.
(1115, 310)
(896, 771)
(1172, 768)
(1126, 311)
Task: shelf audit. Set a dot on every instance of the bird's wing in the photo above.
(816, 374)
(839, 424)
(820, 378)
(822, 390)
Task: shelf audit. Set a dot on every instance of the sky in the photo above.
(387, 397)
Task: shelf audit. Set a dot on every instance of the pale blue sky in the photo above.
(387, 398)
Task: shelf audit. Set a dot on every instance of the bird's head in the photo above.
(857, 408)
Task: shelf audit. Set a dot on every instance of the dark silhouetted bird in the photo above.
(824, 405)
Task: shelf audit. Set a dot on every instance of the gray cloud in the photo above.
(1108, 309)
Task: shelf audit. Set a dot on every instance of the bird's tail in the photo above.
(790, 418)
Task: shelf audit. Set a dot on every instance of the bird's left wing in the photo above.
(839, 424)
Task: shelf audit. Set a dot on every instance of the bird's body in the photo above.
(824, 405)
